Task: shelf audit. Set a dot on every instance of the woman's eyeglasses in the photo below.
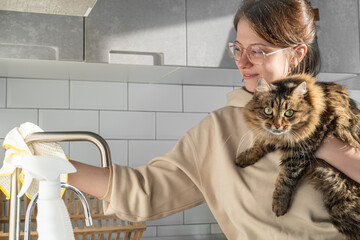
(254, 53)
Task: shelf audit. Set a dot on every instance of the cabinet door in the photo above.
(338, 35)
(41, 36)
(210, 27)
(153, 26)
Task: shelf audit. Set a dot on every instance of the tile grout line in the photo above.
(69, 97)
(156, 124)
(38, 117)
(127, 97)
(84, 40)
(183, 98)
(6, 93)
(128, 152)
(99, 119)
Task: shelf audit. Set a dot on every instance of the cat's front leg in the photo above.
(291, 172)
(253, 154)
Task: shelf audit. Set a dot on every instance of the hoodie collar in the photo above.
(238, 98)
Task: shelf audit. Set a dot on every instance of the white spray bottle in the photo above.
(53, 221)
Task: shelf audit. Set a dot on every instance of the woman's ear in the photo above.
(300, 52)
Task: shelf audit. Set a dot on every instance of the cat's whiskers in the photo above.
(249, 132)
(256, 135)
(255, 139)
(227, 139)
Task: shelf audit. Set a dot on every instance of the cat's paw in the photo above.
(243, 160)
(280, 207)
(241, 163)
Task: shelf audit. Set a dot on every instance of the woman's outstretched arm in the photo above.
(341, 156)
(90, 179)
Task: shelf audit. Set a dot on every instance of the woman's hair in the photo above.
(284, 23)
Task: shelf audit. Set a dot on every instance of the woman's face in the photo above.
(275, 66)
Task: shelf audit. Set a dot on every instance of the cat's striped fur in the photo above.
(299, 114)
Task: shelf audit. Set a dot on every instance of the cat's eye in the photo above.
(289, 113)
(268, 111)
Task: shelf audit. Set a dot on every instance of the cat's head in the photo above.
(280, 109)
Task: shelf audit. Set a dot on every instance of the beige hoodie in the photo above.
(201, 169)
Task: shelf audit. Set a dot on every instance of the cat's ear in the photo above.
(300, 90)
(262, 86)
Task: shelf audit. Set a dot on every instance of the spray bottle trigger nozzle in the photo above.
(26, 184)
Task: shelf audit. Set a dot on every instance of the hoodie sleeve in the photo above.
(166, 185)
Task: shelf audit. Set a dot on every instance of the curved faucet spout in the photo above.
(28, 216)
(88, 218)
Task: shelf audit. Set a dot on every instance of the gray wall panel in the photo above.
(210, 27)
(136, 25)
(40, 36)
(338, 35)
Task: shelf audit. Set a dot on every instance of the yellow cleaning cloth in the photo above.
(15, 145)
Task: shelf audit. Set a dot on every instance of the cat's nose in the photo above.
(277, 126)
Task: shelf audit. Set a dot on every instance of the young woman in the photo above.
(274, 39)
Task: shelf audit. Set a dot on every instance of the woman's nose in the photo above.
(243, 61)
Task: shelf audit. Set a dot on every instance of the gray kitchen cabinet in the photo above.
(338, 35)
(154, 26)
(41, 36)
(184, 32)
(187, 33)
(209, 28)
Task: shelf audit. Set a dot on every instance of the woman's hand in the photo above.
(342, 156)
(89, 179)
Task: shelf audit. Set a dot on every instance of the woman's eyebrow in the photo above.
(261, 44)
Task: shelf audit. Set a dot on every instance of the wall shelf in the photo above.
(81, 71)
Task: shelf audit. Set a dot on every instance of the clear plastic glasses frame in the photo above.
(255, 54)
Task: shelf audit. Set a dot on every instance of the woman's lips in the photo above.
(249, 76)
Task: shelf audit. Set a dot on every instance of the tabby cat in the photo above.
(294, 115)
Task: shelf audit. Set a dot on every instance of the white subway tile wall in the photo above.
(139, 122)
(127, 125)
(69, 120)
(175, 219)
(198, 215)
(151, 231)
(30, 93)
(204, 99)
(2, 151)
(215, 229)
(178, 230)
(174, 125)
(119, 151)
(10, 118)
(155, 97)
(96, 95)
(140, 152)
(85, 152)
(355, 94)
